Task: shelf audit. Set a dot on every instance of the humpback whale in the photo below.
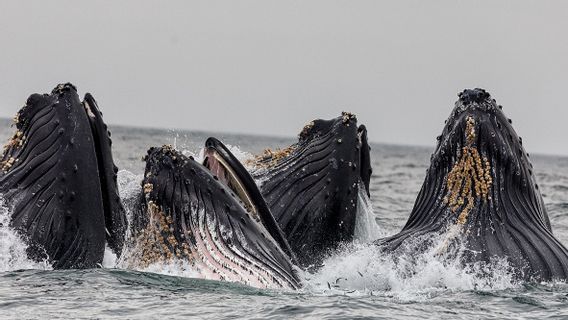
(58, 177)
(311, 187)
(481, 196)
(211, 216)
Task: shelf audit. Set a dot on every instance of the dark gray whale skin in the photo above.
(312, 187)
(508, 222)
(57, 176)
(191, 214)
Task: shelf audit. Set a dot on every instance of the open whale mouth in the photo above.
(209, 216)
(225, 169)
(229, 170)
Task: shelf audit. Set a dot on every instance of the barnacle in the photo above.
(269, 157)
(17, 140)
(7, 164)
(306, 130)
(148, 187)
(346, 116)
(157, 242)
(470, 177)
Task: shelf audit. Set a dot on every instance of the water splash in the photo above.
(12, 247)
(406, 275)
(358, 269)
(240, 154)
(176, 267)
(129, 187)
(110, 259)
(366, 227)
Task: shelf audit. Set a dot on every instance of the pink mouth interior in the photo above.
(215, 167)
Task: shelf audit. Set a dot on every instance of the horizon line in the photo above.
(276, 136)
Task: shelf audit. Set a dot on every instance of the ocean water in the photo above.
(355, 282)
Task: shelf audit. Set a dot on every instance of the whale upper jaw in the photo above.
(58, 176)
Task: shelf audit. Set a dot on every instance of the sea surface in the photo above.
(355, 283)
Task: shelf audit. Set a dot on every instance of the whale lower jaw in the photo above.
(206, 253)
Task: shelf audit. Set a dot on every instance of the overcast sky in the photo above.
(267, 67)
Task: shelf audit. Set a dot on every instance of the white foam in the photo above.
(12, 247)
(129, 187)
(363, 269)
(366, 227)
(109, 259)
(240, 154)
(178, 268)
(359, 269)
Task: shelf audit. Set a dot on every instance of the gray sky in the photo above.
(268, 67)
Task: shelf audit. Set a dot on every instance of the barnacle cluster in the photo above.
(16, 119)
(347, 116)
(148, 187)
(470, 178)
(306, 130)
(157, 242)
(270, 157)
(16, 141)
(7, 164)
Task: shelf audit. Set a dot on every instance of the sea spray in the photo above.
(366, 227)
(359, 268)
(129, 187)
(406, 274)
(241, 155)
(13, 254)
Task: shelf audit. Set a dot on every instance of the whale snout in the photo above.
(64, 87)
(473, 95)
